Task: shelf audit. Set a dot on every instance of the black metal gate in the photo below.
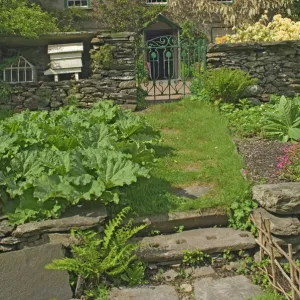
(166, 67)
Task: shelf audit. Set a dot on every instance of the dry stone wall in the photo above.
(116, 83)
(276, 65)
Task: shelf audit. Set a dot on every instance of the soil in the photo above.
(261, 157)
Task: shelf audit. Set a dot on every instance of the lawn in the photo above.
(196, 150)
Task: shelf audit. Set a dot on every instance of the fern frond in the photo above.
(112, 225)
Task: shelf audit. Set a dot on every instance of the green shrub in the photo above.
(269, 295)
(111, 257)
(226, 85)
(53, 160)
(246, 119)
(284, 122)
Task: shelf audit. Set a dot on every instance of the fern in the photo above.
(95, 258)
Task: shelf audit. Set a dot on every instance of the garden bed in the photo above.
(261, 159)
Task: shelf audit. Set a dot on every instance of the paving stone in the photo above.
(200, 271)
(280, 225)
(193, 191)
(23, 275)
(229, 288)
(166, 248)
(162, 292)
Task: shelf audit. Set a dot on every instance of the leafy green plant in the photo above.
(179, 228)
(103, 57)
(195, 258)
(269, 295)
(134, 274)
(227, 255)
(244, 118)
(239, 214)
(284, 122)
(99, 293)
(224, 84)
(53, 160)
(110, 256)
(154, 232)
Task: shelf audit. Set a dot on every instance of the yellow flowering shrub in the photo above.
(279, 29)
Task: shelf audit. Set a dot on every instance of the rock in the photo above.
(166, 248)
(7, 248)
(280, 198)
(161, 292)
(10, 241)
(80, 217)
(185, 287)
(59, 238)
(229, 288)
(170, 275)
(233, 265)
(23, 275)
(5, 228)
(127, 84)
(252, 91)
(285, 226)
(88, 90)
(200, 271)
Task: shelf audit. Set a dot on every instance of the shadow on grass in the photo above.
(148, 197)
(162, 151)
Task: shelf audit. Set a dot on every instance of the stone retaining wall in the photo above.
(116, 82)
(275, 64)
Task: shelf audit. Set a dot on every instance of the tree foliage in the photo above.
(125, 15)
(18, 17)
(241, 11)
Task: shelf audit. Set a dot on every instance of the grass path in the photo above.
(197, 150)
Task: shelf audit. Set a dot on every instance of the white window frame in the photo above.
(157, 2)
(17, 67)
(68, 2)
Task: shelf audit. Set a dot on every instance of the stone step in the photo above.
(229, 288)
(170, 248)
(166, 223)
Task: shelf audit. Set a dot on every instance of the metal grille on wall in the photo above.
(166, 66)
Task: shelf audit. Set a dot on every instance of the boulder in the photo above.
(23, 275)
(280, 198)
(280, 225)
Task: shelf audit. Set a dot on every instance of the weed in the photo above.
(196, 258)
(179, 228)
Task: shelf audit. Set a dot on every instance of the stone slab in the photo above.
(80, 217)
(161, 292)
(170, 247)
(200, 272)
(23, 275)
(229, 288)
(193, 191)
(166, 223)
(281, 198)
(280, 225)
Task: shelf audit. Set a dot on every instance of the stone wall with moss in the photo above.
(112, 76)
(275, 64)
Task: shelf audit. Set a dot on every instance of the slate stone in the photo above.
(166, 248)
(23, 275)
(229, 288)
(280, 225)
(200, 271)
(280, 198)
(161, 292)
(193, 191)
(88, 216)
(170, 275)
(5, 228)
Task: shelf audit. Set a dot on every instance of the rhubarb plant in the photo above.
(53, 160)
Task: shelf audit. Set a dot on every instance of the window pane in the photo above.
(14, 76)
(29, 75)
(22, 75)
(7, 75)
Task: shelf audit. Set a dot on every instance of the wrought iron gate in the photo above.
(166, 67)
